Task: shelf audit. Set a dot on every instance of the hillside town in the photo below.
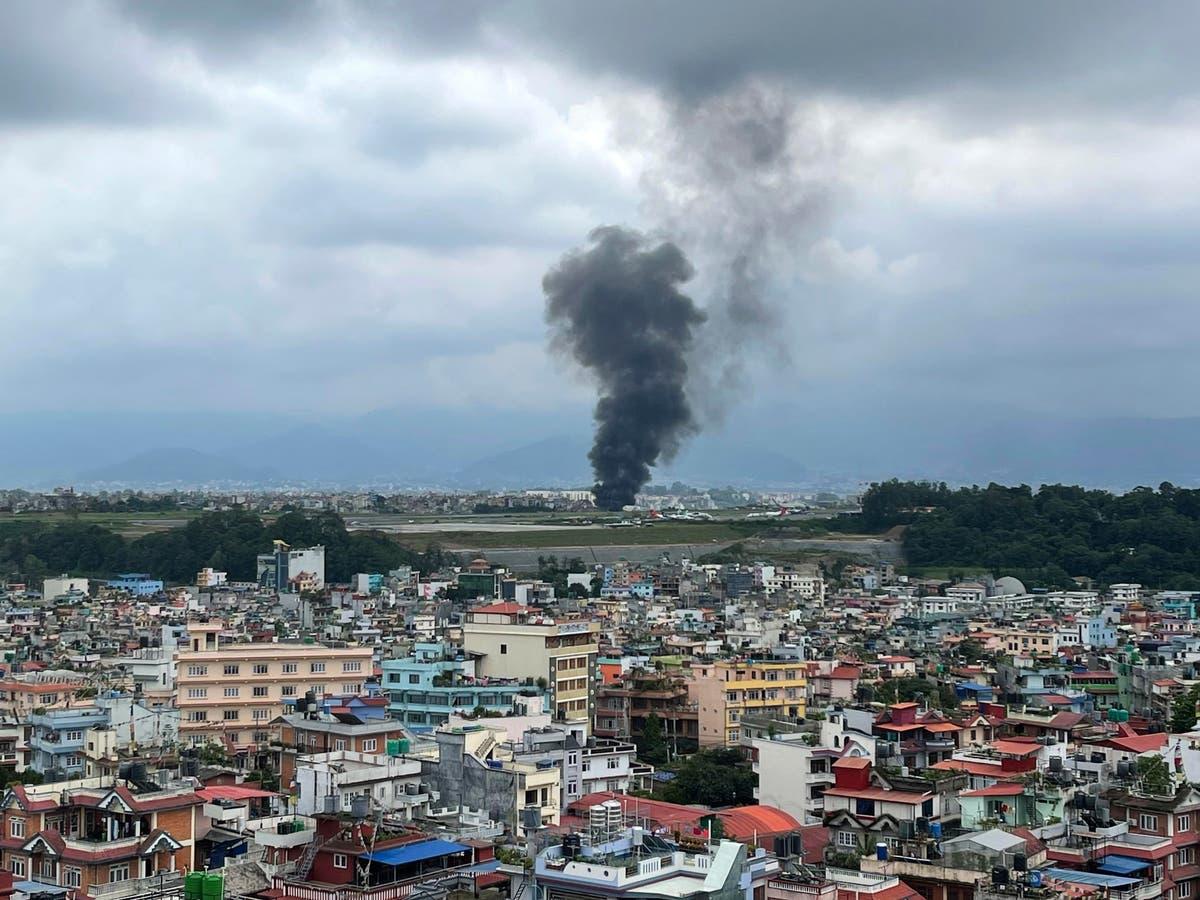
(665, 729)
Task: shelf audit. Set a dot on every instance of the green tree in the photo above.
(712, 778)
(652, 747)
(1183, 711)
(1155, 775)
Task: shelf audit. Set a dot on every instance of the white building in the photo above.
(63, 584)
(210, 578)
(1126, 593)
(329, 782)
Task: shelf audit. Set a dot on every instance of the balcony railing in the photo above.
(162, 884)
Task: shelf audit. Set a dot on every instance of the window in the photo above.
(1183, 823)
(864, 807)
(72, 877)
(369, 745)
(1183, 889)
(233, 736)
(847, 839)
(197, 670)
(261, 668)
(261, 736)
(118, 873)
(414, 679)
(614, 763)
(351, 687)
(74, 736)
(927, 807)
(1148, 822)
(317, 667)
(504, 649)
(260, 714)
(289, 668)
(198, 715)
(232, 669)
(17, 866)
(232, 691)
(1186, 856)
(197, 693)
(288, 690)
(339, 860)
(17, 828)
(47, 868)
(261, 690)
(339, 744)
(230, 715)
(352, 666)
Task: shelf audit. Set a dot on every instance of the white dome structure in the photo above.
(1008, 586)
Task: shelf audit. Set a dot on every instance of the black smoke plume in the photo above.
(615, 307)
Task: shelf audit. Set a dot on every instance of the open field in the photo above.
(127, 524)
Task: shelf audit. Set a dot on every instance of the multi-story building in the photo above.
(20, 698)
(727, 689)
(916, 738)
(59, 738)
(139, 584)
(292, 570)
(302, 734)
(232, 694)
(513, 641)
(472, 773)
(623, 707)
(64, 585)
(14, 743)
(330, 782)
(438, 681)
(90, 835)
(635, 864)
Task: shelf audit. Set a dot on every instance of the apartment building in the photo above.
(727, 689)
(232, 693)
(514, 641)
(20, 698)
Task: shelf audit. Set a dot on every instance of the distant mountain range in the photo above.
(485, 449)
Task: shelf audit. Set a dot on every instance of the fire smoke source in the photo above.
(615, 308)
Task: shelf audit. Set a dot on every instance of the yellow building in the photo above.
(729, 689)
(515, 641)
(231, 693)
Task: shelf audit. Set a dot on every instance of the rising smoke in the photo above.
(741, 180)
(616, 308)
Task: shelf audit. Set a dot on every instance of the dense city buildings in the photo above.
(832, 729)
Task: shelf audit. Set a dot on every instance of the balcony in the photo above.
(266, 831)
(162, 884)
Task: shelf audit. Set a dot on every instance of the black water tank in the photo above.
(1020, 863)
(999, 876)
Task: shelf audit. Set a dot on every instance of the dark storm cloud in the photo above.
(75, 63)
(1105, 52)
(616, 309)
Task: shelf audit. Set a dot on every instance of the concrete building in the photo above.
(513, 641)
(438, 681)
(139, 584)
(232, 693)
(620, 862)
(323, 733)
(292, 570)
(727, 689)
(471, 774)
(62, 585)
(391, 785)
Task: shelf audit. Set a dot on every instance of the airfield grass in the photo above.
(128, 524)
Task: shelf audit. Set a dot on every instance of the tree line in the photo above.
(228, 541)
(1046, 536)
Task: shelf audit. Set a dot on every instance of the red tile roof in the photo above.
(1016, 748)
(743, 822)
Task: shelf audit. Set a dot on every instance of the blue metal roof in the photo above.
(1123, 865)
(1093, 878)
(417, 852)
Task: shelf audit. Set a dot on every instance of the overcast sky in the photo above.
(334, 207)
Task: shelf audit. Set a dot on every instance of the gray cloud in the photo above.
(378, 188)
